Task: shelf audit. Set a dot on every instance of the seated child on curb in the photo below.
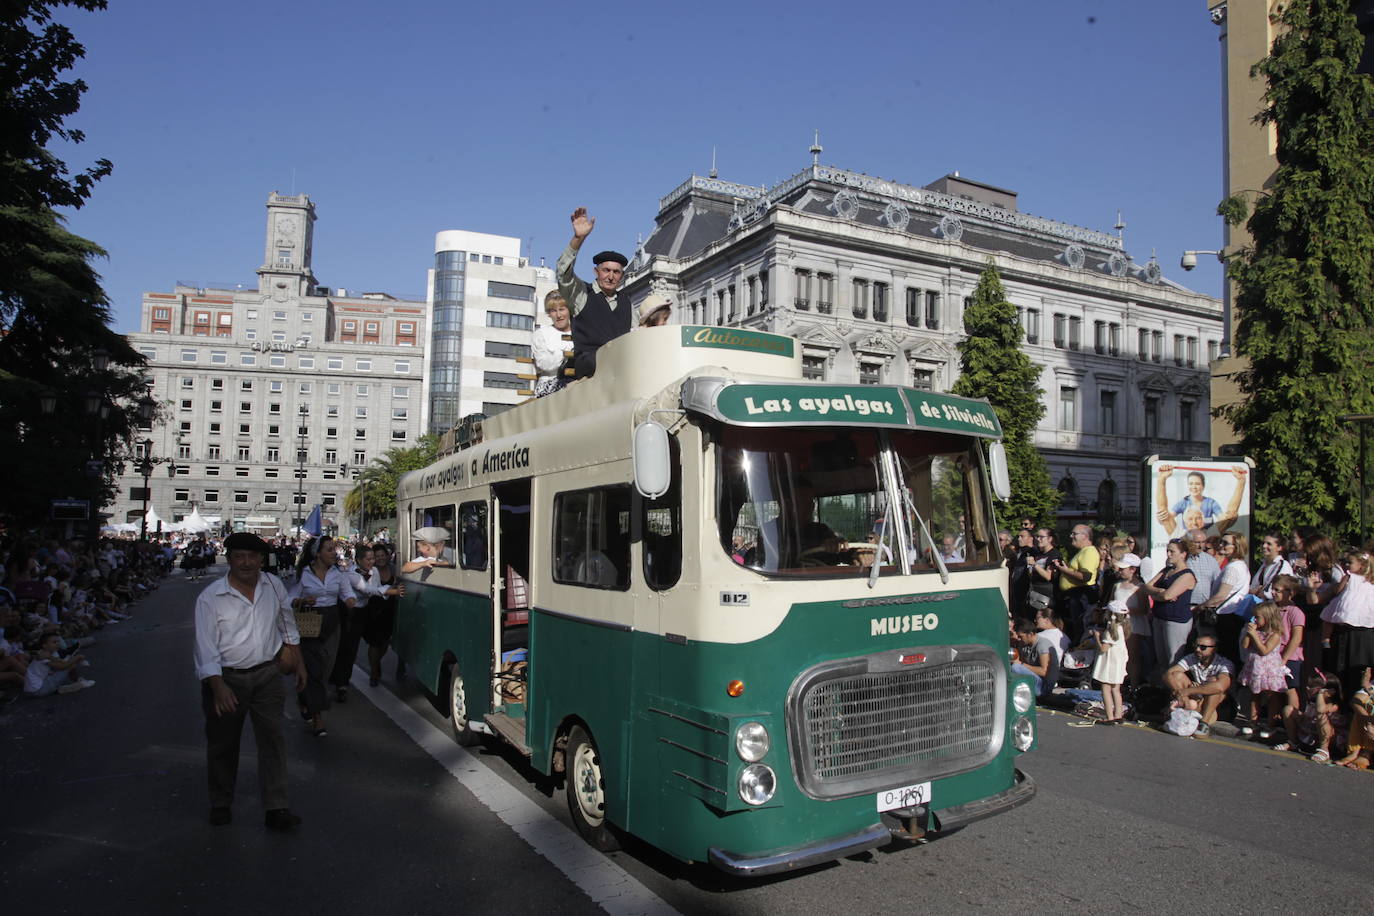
(50, 673)
(1319, 720)
(1361, 739)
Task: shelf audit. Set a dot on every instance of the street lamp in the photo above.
(1361, 419)
(1188, 262)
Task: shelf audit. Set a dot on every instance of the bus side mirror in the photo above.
(1001, 479)
(652, 460)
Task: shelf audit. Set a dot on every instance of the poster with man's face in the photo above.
(1186, 495)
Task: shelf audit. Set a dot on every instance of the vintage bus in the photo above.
(754, 620)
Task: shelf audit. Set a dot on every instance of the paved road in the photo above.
(104, 808)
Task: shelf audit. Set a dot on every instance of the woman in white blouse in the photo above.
(1231, 591)
(320, 586)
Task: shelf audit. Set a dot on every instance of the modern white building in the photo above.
(873, 275)
(276, 393)
(484, 302)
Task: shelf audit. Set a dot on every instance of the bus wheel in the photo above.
(586, 787)
(458, 709)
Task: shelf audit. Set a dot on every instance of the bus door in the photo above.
(511, 596)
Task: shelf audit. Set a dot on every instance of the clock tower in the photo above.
(285, 271)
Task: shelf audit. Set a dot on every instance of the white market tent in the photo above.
(194, 523)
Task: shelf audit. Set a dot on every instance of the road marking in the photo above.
(607, 884)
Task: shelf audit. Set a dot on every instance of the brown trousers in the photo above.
(260, 695)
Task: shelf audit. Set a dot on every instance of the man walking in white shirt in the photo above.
(243, 621)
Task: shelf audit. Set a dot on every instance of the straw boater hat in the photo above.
(430, 535)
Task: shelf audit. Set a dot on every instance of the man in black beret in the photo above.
(600, 312)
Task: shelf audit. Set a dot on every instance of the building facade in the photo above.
(276, 395)
(484, 302)
(872, 277)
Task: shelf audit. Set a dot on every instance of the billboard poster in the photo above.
(1185, 494)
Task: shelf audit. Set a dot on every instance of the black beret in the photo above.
(243, 540)
(603, 256)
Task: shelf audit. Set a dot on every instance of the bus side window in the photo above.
(435, 517)
(472, 542)
(662, 528)
(591, 538)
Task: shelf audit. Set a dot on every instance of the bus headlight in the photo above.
(757, 783)
(1022, 698)
(751, 742)
(1022, 734)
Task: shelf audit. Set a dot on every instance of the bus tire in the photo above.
(585, 784)
(458, 709)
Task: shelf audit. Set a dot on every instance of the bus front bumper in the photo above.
(790, 859)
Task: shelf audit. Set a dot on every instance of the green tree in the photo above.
(54, 316)
(1305, 285)
(377, 482)
(993, 366)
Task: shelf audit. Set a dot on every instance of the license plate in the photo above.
(904, 797)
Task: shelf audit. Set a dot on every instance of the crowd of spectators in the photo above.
(56, 595)
(1277, 648)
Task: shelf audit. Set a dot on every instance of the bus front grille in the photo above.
(871, 723)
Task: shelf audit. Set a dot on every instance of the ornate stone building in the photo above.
(276, 393)
(872, 276)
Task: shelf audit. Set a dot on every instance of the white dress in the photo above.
(1110, 667)
(547, 348)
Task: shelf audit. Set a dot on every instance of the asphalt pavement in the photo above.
(104, 811)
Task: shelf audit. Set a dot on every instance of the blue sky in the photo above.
(406, 118)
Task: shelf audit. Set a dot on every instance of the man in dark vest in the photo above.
(600, 313)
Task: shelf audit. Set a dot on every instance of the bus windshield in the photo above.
(812, 502)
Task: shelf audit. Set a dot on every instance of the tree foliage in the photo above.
(377, 482)
(54, 315)
(1305, 285)
(993, 366)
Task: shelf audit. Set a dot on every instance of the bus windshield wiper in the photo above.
(930, 541)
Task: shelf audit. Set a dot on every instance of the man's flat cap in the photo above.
(602, 257)
(245, 540)
(430, 535)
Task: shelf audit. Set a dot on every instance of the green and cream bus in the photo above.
(755, 620)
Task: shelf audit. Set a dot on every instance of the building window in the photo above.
(241, 497)
(1068, 408)
(813, 367)
(364, 365)
(273, 454)
(1143, 345)
(328, 499)
(181, 496)
(498, 290)
(913, 306)
(211, 470)
(243, 453)
(923, 379)
(1113, 340)
(305, 388)
(398, 435)
(334, 362)
(1061, 331)
(1211, 351)
(803, 297)
(212, 452)
(1157, 353)
(183, 450)
(825, 293)
(360, 412)
(860, 301)
(502, 380)
(1192, 352)
(359, 457)
(219, 358)
(1031, 321)
(1100, 337)
(751, 302)
(269, 472)
(1107, 409)
(211, 496)
(359, 433)
(400, 413)
(186, 381)
(331, 432)
(188, 356)
(162, 314)
(1151, 417)
(400, 391)
(1075, 332)
(500, 349)
(509, 320)
(186, 404)
(1178, 349)
(331, 410)
(401, 367)
(870, 373)
(240, 472)
(305, 362)
(185, 427)
(932, 309)
(1186, 410)
(269, 498)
